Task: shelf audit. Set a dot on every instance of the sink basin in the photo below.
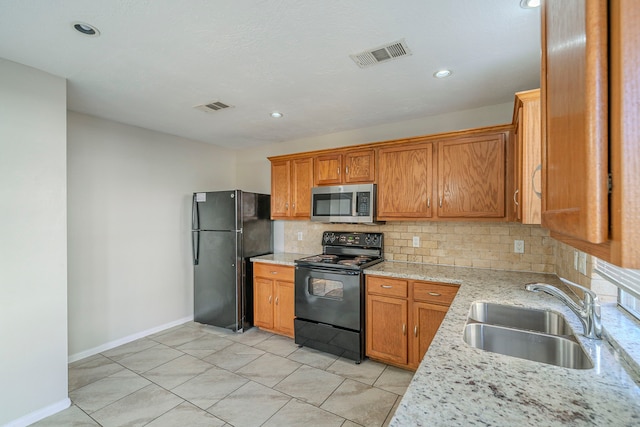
(563, 351)
(511, 316)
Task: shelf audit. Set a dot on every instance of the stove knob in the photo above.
(367, 239)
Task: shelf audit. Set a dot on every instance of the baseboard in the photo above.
(127, 339)
(40, 414)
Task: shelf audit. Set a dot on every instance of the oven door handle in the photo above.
(330, 270)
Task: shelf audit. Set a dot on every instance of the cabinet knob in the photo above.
(338, 171)
(286, 205)
(533, 182)
(274, 272)
(415, 331)
(277, 300)
(440, 201)
(429, 202)
(346, 170)
(515, 197)
(404, 329)
(269, 299)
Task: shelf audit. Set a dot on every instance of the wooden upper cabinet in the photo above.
(591, 131)
(301, 183)
(349, 167)
(405, 181)
(280, 188)
(471, 177)
(526, 201)
(575, 112)
(291, 182)
(359, 166)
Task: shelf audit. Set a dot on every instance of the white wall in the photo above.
(33, 256)
(129, 188)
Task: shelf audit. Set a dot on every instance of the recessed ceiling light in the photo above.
(276, 114)
(441, 74)
(86, 29)
(529, 4)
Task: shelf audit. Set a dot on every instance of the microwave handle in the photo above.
(354, 205)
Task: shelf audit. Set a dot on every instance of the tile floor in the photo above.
(195, 375)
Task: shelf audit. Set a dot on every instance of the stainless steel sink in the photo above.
(538, 335)
(511, 316)
(557, 350)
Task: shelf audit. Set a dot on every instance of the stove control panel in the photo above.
(341, 238)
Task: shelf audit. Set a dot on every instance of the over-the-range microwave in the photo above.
(352, 204)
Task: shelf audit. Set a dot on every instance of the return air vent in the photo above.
(212, 107)
(381, 54)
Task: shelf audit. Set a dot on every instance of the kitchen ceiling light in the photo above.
(276, 115)
(441, 74)
(529, 4)
(86, 29)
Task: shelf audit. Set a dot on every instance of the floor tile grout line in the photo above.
(253, 345)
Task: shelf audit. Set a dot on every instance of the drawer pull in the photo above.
(274, 272)
(386, 286)
(434, 294)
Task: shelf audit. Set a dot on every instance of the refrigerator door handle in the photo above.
(195, 243)
(195, 215)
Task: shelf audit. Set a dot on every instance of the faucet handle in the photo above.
(590, 297)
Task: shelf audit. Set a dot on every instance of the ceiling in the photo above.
(155, 60)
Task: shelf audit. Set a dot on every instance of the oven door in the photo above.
(329, 296)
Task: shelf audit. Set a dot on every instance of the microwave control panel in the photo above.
(364, 203)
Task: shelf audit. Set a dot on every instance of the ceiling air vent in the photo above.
(381, 54)
(212, 107)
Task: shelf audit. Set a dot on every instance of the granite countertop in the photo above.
(279, 258)
(458, 385)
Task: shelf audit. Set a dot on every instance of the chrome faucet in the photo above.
(588, 311)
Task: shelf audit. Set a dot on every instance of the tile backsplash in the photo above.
(468, 244)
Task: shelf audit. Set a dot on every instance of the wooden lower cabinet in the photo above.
(387, 329)
(402, 317)
(273, 298)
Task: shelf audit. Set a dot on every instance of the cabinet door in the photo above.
(263, 303)
(386, 329)
(530, 144)
(471, 177)
(280, 189)
(301, 183)
(284, 307)
(359, 166)
(575, 111)
(426, 321)
(405, 182)
(328, 169)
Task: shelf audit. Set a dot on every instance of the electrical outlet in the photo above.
(518, 246)
(582, 263)
(416, 241)
(299, 235)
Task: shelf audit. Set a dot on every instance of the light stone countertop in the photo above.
(458, 385)
(279, 258)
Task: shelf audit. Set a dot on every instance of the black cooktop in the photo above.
(347, 250)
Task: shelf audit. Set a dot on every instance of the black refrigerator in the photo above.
(228, 227)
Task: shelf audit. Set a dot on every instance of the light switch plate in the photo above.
(518, 246)
(299, 235)
(416, 241)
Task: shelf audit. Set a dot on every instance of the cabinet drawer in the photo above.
(273, 271)
(388, 287)
(434, 292)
